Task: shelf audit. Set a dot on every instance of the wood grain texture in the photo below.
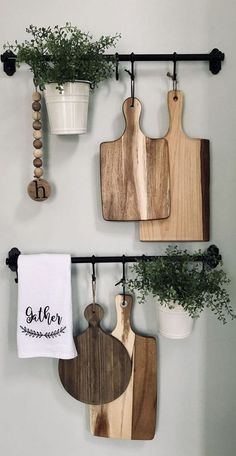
(102, 370)
(189, 184)
(144, 388)
(134, 173)
(133, 415)
(39, 189)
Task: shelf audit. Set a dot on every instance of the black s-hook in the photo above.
(117, 66)
(123, 280)
(93, 281)
(132, 78)
(174, 75)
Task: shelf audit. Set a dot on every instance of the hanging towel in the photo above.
(44, 323)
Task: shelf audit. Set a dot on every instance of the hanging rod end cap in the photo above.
(8, 58)
(11, 260)
(212, 256)
(216, 57)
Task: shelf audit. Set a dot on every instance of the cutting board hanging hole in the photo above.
(94, 314)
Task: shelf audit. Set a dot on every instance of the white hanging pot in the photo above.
(68, 109)
(174, 323)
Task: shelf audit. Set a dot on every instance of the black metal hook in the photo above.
(93, 280)
(123, 279)
(132, 78)
(117, 66)
(93, 266)
(173, 76)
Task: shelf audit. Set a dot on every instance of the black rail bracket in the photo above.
(8, 59)
(212, 256)
(215, 59)
(11, 260)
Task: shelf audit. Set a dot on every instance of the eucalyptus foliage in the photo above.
(176, 279)
(65, 54)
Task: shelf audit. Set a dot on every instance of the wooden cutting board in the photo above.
(132, 415)
(134, 173)
(102, 370)
(189, 184)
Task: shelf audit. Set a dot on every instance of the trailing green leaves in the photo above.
(176, 278)
(65, 54)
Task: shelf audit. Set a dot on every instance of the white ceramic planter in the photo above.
(174, 323)
(68, 110)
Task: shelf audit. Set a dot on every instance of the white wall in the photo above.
(197, 405)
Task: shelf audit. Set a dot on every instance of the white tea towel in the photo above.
(44, 326)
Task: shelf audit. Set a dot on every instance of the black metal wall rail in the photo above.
(215, 58)
(211, 257)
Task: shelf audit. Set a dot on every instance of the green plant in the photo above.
(176, 279)
(65, 54)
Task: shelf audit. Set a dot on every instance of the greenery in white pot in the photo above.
(175, 279)
(66, 62)
(65, 54)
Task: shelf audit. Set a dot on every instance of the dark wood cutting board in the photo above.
(189, 184)
(133, 414)
(134, 173)
(102, 370)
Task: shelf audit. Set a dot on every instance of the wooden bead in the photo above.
(36, 115)
(36, 106)
(39, 189)
(38, 172)
(37, 125)
(38, 153)
(37, 134)
(37, 144)
(36, 96)
(37, 162)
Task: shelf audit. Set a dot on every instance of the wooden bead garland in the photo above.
(36, 105)
(36, 115)
(38, 153)
(37, 134)
(38, 189)
(37, 144)
(37, 162)
(37, 125)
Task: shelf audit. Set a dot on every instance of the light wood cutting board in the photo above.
(134, 173)
(133, 414)
(189, 184)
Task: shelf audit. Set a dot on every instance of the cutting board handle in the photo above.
(123, 311)
(132, 114)
(94, 314)
(175, 105)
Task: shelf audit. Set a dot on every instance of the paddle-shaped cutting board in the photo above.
(133, 414)
(134, 173)
(102, 370)
(189, 184)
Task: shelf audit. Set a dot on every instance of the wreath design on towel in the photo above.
(38, 334)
